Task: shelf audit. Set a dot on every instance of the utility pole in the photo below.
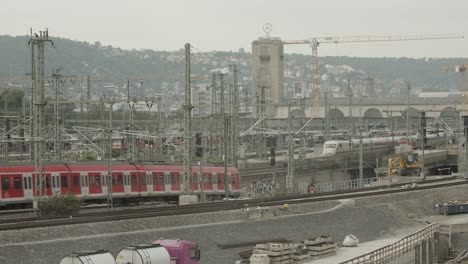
(361, 169)
(235, 123)
(327, 118)
(142, 89)
(222, 117)
(349, 93)
(187, 124)
(290, 175)
(7, 129)
(225, 122)
(407, 114)
(88, 98)
(110, 201)
(58, 79)
(103, 131)
(213, 95)
(262, 124)
(131, 136)
(37, 43)
(423, 141)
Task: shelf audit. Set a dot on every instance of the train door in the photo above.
(118, 182)
(138, 181)
(175, 181)
(220, 181)
(167, 181)
(158, 182)
(95, 186)
(235, 183)
(28, 194)
(65, 183)
(127, 186)
(84, 183)
(196, 180)
(75, 182)
(12, 186)
(45, 183)
(207, 181)
(142, 182)
(55, 183)
(149, 182)
(70, 183)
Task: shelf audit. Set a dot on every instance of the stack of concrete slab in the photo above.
(259, 259)
(321, 247)
(301, 253)
(278, 253)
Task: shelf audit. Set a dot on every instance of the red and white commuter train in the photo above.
(20, 185)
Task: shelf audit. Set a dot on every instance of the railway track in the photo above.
(34, 222)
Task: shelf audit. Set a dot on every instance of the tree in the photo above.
(60, 205)
(13, 97)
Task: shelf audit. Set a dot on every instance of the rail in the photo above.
(392, 251)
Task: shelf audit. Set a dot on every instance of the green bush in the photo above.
(60, 205)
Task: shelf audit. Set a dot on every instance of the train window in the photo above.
(118, 179)
(76, 181)
(142, 179)
(25, 183)
(220, 177)
(86, 181)
(97, 180)
(104, 180)
(53, 182)
(209, 179)
(17, 183)
(233, 178)
(134, 179)
(47, 180)
(126, 179)
(64, 182)
(6, 184)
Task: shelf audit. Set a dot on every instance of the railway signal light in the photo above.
(198, 145)
(198, 139)
(273, 157)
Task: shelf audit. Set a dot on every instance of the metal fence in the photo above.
(343, 185)
(397, 249)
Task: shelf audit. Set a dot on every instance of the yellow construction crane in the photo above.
(462, 70)
(316, 41)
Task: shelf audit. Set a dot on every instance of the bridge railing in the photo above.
(397, 249)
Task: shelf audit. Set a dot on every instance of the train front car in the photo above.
(329, 148)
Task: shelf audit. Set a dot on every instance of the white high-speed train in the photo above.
(377, 146)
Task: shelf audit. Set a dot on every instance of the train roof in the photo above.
(102, 166)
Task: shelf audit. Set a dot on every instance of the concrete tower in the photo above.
(267, 73)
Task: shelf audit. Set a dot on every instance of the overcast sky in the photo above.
(222, 25)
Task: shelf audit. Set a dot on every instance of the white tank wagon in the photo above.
(144, 254)
(89, 257)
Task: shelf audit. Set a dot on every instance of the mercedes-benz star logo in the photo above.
(267, 28)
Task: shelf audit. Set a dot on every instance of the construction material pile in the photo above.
(288, 253)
